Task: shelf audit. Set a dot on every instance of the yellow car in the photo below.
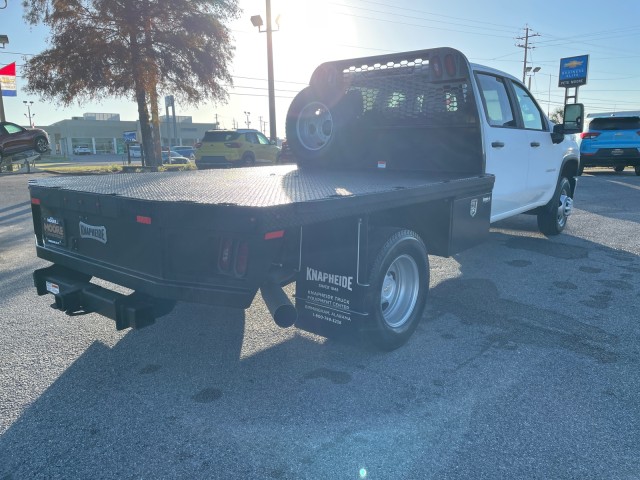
(224, 148)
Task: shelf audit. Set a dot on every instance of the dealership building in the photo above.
(105, 133)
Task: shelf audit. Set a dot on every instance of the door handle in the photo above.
(535, 144)
(497, 144)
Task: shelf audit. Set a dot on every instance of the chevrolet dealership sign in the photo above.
(573, 71)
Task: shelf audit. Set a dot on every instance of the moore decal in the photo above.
(91, 231)
(339, 280)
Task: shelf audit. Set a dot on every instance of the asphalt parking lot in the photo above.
(525, 366)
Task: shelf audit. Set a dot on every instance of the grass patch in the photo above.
(68, 168)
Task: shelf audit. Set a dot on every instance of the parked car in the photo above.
(17, 139)
(189, 152)
(81, 150)
(173, 158)
(235, 148)
(611, 141)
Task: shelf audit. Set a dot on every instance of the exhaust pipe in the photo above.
(279, 305)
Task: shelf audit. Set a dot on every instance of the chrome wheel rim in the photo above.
(399, 293)
(565, 208)
(314, 126)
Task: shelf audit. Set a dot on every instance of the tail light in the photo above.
(232, 144)
(225, 255)
(233, 258)
(450, 65)
(242, 259)
(588, 135)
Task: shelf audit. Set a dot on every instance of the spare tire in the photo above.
(318, 130)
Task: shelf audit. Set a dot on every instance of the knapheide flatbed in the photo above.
(284, 195)
(397, 156)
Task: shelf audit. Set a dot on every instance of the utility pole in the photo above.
(526, 46)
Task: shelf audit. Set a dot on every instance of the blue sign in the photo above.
(573, 71)
(129, 136)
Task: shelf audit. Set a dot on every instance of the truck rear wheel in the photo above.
(553, 217)
(399, 283)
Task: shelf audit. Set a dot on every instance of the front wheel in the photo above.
(399, 283)
(553, 217)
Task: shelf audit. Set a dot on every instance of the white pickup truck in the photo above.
(398, 157)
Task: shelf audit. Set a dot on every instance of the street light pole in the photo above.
(256, 20)
(272, 97)
(28, 104)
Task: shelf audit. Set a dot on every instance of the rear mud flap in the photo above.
(330, 297)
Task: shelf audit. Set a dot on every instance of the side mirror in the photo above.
(573, 118)
(572, 122)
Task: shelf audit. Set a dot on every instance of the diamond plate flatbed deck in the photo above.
(283, 194)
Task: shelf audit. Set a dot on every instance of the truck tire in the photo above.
(553, 217)
(637, 169)
(327, 81)
(398, 283)
(618, 168)
(318, 129)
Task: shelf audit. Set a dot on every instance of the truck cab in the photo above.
(521, 150)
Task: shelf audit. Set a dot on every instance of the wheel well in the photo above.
(570, 171)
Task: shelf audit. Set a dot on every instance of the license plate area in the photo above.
(53, 230)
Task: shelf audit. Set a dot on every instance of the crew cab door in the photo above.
(506, 146)
(544, 156)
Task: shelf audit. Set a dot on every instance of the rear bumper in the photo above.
(610, 157)
(209, 161)
(155, 287)
(74, 294)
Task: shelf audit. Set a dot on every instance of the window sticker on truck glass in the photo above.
(53, 229)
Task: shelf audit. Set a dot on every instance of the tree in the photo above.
(135, 49)
(557, 115)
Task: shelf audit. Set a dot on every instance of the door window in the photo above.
(531, 114)
(495, 100)
(262, 139)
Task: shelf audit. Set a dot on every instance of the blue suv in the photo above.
(611, 141)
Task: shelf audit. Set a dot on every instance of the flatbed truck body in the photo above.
(392, 155)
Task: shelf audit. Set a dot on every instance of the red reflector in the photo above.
(242, 259)
(450, 65)
(272, 235)
(35, 201)
(143, 219)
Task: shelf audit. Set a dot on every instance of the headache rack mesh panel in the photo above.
(409, 93)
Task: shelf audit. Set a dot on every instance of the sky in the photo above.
(311, 32)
